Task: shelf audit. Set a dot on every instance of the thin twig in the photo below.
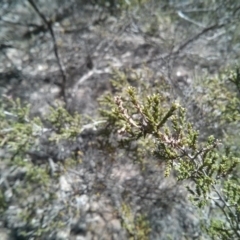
(185, 17)
(195, 37)
(182, 46)
(49, 26)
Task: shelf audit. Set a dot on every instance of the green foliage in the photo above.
(210, 165)
(137, 226)
(3, 203)
(66, 126)
(146, 123)
(34, 189)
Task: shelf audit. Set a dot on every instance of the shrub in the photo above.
(210, 165)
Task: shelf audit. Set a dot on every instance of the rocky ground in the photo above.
(90, 43)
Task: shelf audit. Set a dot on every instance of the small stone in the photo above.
(62, 235)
